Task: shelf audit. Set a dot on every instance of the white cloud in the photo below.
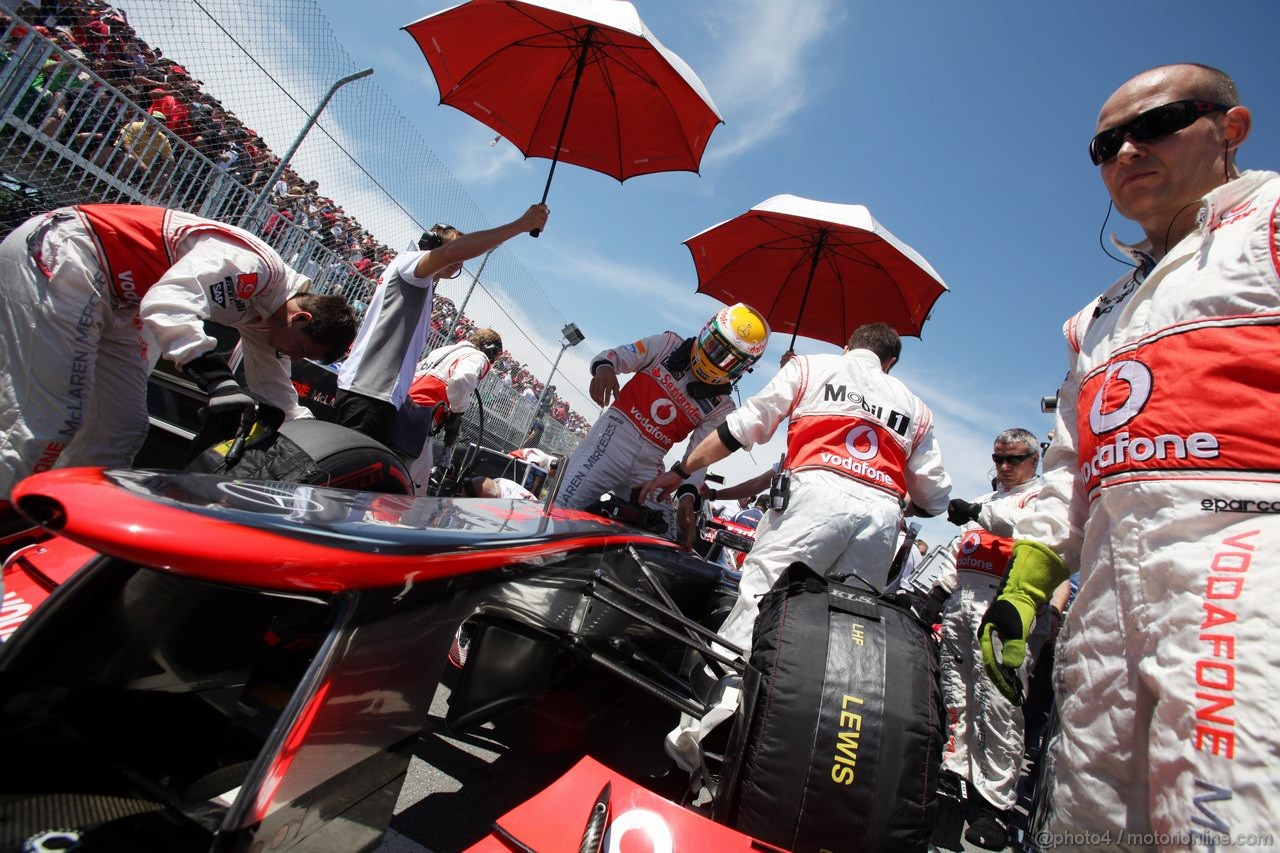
(760, 75)
(669, 303)
(477, 159)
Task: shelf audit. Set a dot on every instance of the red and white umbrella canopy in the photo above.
(816, 269)
(522, 66)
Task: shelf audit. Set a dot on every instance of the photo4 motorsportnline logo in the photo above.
(1046, 840)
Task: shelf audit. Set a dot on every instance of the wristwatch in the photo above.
(679, 471)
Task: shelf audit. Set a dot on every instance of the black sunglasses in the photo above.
(1155, 123)
(1015, 459)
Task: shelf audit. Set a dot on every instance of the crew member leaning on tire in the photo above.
(862, 448)
(92, 296)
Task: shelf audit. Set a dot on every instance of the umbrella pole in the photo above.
(804, 300)
(573, 93)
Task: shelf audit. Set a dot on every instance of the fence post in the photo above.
(252, 214)
(462, 306)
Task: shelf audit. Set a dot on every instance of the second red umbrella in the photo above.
(816, 269)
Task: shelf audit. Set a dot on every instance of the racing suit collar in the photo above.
(1035, 481)
(1215, 204)
(865, 356)
(1220, 203)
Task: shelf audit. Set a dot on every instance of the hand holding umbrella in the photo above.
(535, 218)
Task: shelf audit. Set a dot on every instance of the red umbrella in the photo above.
(787, 252)
(583, 81)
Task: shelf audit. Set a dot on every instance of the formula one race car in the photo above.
(240, 661)
(239, 664)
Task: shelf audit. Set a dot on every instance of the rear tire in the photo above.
(351, 459)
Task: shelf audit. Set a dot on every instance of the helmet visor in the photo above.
(722, 354)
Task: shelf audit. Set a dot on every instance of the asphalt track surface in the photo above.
(459, 784)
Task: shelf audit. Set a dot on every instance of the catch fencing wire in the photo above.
(270, 64)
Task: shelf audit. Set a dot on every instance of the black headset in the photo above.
(434, 238)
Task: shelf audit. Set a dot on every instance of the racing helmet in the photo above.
(729, 344)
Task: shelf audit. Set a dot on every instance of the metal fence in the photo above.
(70, 135)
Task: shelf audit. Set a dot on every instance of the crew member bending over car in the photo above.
(92, 296)
(681, 387)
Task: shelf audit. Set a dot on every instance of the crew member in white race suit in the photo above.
(1162, 485)
(447, 375)
(860, 447)
(680, 388)
(93, 295)
(985, 732)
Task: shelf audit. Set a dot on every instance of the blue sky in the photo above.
(962, 126)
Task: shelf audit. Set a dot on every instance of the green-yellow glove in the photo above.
(1034, 573)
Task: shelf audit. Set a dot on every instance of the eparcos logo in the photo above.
(862, 443)
(1130, 378)
(663, 411)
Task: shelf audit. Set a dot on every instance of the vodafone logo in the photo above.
(1125, 390)
(246, 284)
(970, 543)
(862, 443)
(651, 825)
(662, 411)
